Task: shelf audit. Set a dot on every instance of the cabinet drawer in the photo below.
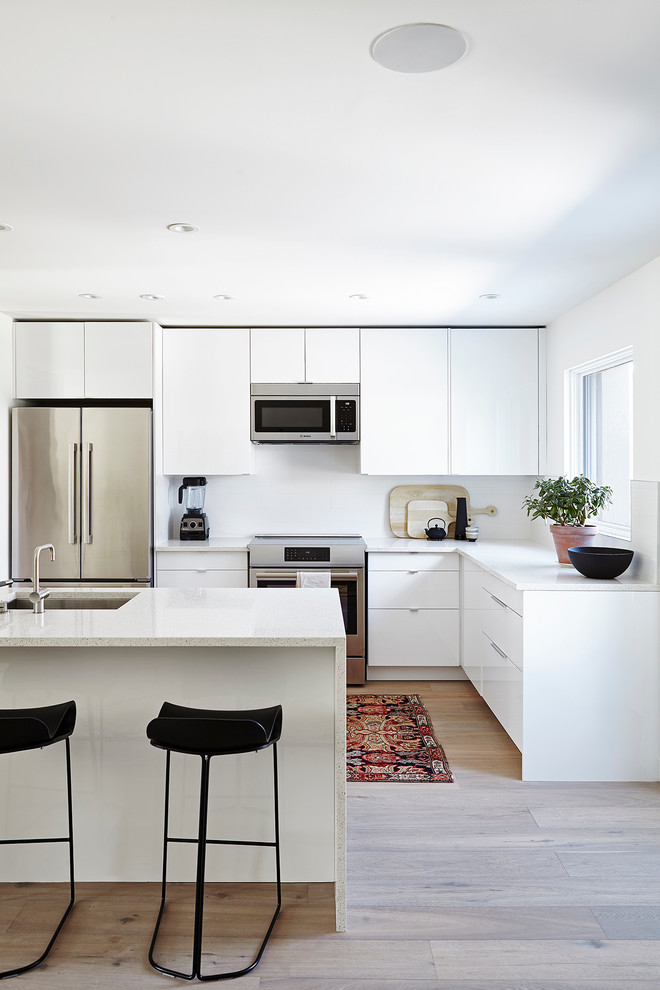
(502, 691)
(201, 560)
(505, 628)
(404, 589)
(447, 561)
(201, 579)
(404, 638)
(510, 596)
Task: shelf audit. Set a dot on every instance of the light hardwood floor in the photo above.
(485, 884)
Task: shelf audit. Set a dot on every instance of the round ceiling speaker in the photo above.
(418, 47)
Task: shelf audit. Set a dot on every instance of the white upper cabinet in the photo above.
(206, 401)
(495, 401)
(277, 355)
(404, 401)
(285, 354)
(332, 355)
(49, 360)
(83, 360)
(118, 360)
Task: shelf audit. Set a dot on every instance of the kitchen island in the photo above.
(207, 648)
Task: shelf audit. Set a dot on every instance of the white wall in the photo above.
(625, 314)
(5, 403)
(317, 489)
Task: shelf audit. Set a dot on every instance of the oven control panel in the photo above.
(306, 555)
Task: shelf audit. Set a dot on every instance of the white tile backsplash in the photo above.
(317, 489)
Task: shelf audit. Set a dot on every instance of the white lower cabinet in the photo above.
(201, 569)
(413, 610)
(492, 645)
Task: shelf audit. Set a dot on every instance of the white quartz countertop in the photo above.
(524, 565)
(158, 617)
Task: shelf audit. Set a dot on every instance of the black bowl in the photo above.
(600, 562)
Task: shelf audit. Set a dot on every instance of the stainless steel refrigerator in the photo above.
(81, 480)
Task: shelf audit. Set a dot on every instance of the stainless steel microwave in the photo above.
(299, 413)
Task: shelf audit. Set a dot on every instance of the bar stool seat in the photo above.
(207, 733)
(23, 729)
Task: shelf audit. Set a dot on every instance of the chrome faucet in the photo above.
(36, 596)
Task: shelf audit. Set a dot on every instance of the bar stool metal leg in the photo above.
(202, 841)
(68, 839)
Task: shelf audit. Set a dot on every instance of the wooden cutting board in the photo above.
(403, 494)
(418, 513)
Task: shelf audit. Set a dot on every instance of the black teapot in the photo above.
(436, 532)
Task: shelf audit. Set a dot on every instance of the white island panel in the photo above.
(206, 648)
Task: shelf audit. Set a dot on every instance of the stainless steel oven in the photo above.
(275, 562)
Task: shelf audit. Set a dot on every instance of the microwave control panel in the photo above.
(346, 415)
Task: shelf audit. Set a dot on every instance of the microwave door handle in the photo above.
(333, 411)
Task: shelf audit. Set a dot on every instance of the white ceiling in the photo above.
(530, 168)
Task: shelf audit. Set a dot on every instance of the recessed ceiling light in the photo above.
(150, 298)
(490, 295)
(87, 295)
(5, 226)
(358, 295)
(418, 47)
(182, 228)
(222, 297)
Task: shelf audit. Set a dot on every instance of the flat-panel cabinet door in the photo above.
(404, 401)
(49, 360)
(413, 637)
(494, 401)
(332, 354)
(206, 401)
(118, 360)
(277, 354)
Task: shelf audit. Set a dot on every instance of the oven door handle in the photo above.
(290, 572)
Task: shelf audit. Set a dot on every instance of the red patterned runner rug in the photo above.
(390, 737)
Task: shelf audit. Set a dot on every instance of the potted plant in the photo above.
(568, 505)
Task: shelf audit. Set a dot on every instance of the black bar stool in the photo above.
(207, 733)
(34, 728)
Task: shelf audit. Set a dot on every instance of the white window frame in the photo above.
(575, 425)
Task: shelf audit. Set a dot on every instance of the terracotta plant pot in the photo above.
(571, 536)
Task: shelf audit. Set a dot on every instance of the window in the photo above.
(600, 432)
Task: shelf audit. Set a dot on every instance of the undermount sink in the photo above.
(71, 603)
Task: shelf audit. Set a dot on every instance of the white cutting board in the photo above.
(418, 513)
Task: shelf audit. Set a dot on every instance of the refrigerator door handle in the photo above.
(87, 495)
(73, 492)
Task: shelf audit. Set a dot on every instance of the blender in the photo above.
(194, 524)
